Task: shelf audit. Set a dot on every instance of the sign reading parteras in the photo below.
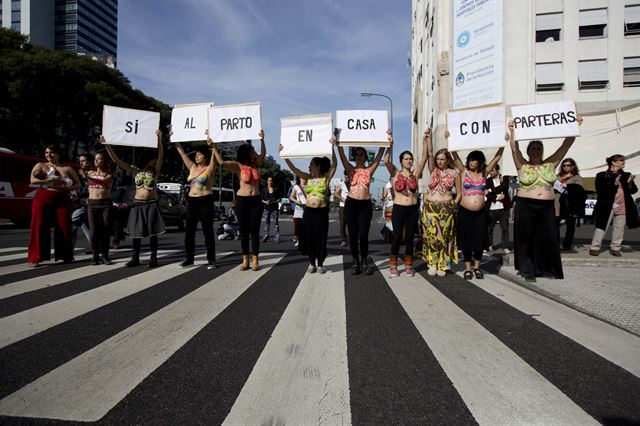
(190, 122)
(363, 127)
(477, 53)
(130, 127)
(476, 128)
(306, 135)
(545, 121)
(229, 123)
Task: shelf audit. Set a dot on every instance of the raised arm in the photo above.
(212, 161)
(495, 160)
(456, 157)
(114, 157)
(185, 158)
(231, 165)
(334, 160)
(388, 155)
(296, 171)
(263, 149)
(561, 152)
(427, 148)
(518, 159)
(160, 159)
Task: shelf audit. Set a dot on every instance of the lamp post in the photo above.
(367, 94)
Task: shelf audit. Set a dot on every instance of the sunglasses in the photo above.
(567, 165)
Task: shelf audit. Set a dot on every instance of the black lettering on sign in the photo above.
(572, 116)
(463, 127)
(364, 124)
(305, 135)
(189, 123)
(236, 123)
(130, 127)
(475, 127)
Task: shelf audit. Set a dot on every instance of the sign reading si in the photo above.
(476, 128)
(189, 122)
(130, 127)
(544, 121)
(363, 127)
(229, 123)
(306, 135)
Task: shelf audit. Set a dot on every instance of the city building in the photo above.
(87, 27)
(587, 51)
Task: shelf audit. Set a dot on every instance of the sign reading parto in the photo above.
(476, 128)
(544, 121)
(229, 123)
(363, 127)
(306, 135)
(130, 127)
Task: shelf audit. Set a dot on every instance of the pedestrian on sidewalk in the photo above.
(536, 249)
(499, 205)
(100, 178)
(248, 204)
(200, 201)
(614, 205)
(270, 214)
(299, 200)
(472, 216)
(570, 197)
(145, 220)
(341, 194)
(79, 217)
(316, 209)
(358, 209)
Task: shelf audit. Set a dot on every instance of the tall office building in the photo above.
(88, 27)
(587, 51)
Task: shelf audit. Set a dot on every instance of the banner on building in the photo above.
(189, 122)
(477, 53)
(130, 127)
(363, 127)
(545, 121)
(306, 135)
(228, 123)
(476, 128)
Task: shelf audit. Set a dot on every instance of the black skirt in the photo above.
(145, 219)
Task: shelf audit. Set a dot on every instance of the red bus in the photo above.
(16, 192)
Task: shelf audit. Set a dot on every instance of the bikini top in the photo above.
(97, 185)
(249, 175)
(360, 178)
(317, 188)
(534, 176)
(404, 185)
(144, 179)
(442, 180)
(473, 187)
(199, 180)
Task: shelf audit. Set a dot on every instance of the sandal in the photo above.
(468, 275)
(478, 273)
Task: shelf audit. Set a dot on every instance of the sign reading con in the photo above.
(363, 127)
(476, 128)
(190, 122)
(229, 123)
(306, 135)
(544, 121)
(130, 127)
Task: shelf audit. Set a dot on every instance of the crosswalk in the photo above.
(108, 344)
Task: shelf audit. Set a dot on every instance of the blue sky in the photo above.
(296, 57)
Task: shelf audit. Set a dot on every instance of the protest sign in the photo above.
(545, 121)
(306, 135)
(228, 123)
(130, 127)
(189, 122)
(476, 128)
(362, 127)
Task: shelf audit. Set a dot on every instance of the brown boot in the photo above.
(245, 262)
(254, 264)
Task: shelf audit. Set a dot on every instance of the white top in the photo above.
(343, 192)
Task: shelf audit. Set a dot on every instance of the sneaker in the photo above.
(343, 243)
(96, 261)
(615, 253)
(431, 271)
(133, 262)
(529, 277)
(409, 272)
(485, 253)
(295, 244)
(312, 269)
(594, 253)
(321, 269)
(368, 266)
(211, 265)
(355, 269)
(394, 272)
(106, 260)
(186, 263)
(441, 273)
(506, 251)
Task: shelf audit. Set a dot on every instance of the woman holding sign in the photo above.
(405, 204)
(144, 218)
(357, 207)
(472, 226)
(200, 202)
(248, 203)
(536, 248)
(316, 209)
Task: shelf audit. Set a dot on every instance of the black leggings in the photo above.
(249, 212)
(200, 209)
(472, 232)
(99, 213)
(137, 243)
(404, 218)
(357, 214)
(316, 233)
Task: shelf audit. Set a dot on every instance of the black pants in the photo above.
(99, 225)
(570, 222)
(472, 226)
(357, 214)
(404, 218)
(535, 238)
(501, 216)
(200, 209)
(137, 244)
(249, 212)
(316, 230)
(343, 224)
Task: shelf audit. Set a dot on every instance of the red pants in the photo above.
(50, 208)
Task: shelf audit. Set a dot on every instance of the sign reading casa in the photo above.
(363, 127)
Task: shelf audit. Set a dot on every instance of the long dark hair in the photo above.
(243, 155)
(574, 171)
(323, 163)
(614, 157)
(204, 150)
(479, 157)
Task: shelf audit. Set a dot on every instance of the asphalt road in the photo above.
(114, 345)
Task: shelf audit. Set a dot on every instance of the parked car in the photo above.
(173, 212)
(285, 206)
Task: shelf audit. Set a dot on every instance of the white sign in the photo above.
(476, 128)
(130, 127)
(544, 121)
(306, 135)
(477, 53)
(228, 123)
(363, 127)
(189, 122)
